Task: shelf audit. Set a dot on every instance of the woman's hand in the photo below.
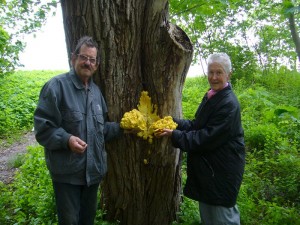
(163, 133)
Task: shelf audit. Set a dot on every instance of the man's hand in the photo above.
(77, 145)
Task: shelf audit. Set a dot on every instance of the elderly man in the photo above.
(70, 121)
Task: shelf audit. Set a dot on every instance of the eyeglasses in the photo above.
(85, 58)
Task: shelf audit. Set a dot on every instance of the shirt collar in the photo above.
(76, 80)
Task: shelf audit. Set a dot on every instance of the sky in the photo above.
(46, 49)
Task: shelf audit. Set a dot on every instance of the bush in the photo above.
(19, 95)
(193, 92)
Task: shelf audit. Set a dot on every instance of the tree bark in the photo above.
(294, 33)
(140, 50)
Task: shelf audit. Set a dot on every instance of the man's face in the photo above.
(85, 63)
(217, 77)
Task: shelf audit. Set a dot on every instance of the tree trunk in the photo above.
(294, 33)
(140, 50)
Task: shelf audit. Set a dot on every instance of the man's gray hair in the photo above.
(89, 42)
(221, 58)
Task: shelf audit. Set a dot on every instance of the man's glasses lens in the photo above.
(85, 58)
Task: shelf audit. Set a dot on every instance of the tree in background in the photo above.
(140, 50)
(256, 34)
(264, 33)
(290, 10)
(19, 18)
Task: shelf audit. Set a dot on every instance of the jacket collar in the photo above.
(220, 94)
(76, 80)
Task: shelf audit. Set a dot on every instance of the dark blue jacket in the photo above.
(214, 142)
(66, 108)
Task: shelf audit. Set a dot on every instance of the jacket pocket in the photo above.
(99, 123)
(65, 161)
(72, 122)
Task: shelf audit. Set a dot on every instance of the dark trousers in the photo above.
(76, 204)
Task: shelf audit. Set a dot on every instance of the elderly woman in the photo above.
(214, 142)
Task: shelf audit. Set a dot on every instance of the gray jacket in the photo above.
(66, 108)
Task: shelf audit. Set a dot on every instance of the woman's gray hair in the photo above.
(221, 58)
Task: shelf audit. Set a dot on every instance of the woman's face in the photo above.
(217, 77)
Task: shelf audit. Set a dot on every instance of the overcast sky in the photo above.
(48, 51)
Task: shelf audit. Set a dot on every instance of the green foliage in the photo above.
(19, 18)
(193, 92)
(189, 212)
(29, 200)
(284, 84)
(189, 209)
(257, 33)
(33, 198)
(270, 190)
(4, 47)
(18, 98)
(5, 204)
(9, 52)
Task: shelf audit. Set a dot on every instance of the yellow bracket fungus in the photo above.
(145, 119)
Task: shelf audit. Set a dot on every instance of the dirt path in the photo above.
(7, 154)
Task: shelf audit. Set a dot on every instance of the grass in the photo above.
(16, 160)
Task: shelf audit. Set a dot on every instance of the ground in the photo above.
(8, 153)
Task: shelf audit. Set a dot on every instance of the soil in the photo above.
(7, 154)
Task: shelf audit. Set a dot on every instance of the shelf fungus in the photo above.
(145, 120)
